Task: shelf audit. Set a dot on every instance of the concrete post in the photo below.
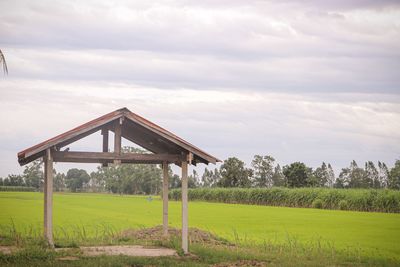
(165, 198)
(185, 238)
(48, 197)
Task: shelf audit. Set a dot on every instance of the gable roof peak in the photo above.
(124, 110)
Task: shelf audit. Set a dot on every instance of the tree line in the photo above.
(264, 172)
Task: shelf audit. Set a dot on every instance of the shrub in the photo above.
(17, 189)
(343, 205)
(317, 204)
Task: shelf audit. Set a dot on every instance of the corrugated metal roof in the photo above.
(83, 130)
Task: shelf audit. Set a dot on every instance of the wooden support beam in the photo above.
(117, 139)
(110, 157)
(165, 198)
(104, 132)
(48, 198)
(190, 158)
(185, 238)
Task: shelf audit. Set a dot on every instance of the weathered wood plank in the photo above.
(109, 157)
(117, 139)
(104, 132)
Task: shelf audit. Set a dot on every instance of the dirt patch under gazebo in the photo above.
(138, 251)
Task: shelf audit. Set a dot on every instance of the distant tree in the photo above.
(354, 177)
(339, 182)
(6, 181)
(193, 180)
(234, 174)
(148, 178)
(206, 178)
(263, 167)
(128, 178)
(112, 178)
(320, 176)
(97, 181)
(210, 178)
(133, 179)
(331, 176)
(394, 176)
(1, 181)
(175, 181)
(278, 179)
(15, 180)
(383, 174)
(371, 178)
(312, 180)
(59, 181)
(297, 174)
(324, 176)
(216, 177)
(139, 178)
(358, 177)
(344, 178)
(33, 174)
(76, 179)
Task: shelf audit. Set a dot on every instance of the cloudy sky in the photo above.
(307, 81)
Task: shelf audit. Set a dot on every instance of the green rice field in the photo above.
(372, 234)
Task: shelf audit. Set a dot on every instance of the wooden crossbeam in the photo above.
(110, 157)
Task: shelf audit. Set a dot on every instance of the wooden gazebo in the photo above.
(166, 148)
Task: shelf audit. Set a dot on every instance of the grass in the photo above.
(85, 216)
(33, 252)
(204, 256)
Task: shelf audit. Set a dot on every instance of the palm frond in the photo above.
(3, 62)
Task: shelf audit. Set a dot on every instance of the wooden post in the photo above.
(185, 240)
(117, 139)
(48, 198)
(104, 132)
(165, 198)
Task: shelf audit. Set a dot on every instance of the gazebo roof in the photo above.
(133, 128)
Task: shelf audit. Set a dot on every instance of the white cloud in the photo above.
(308, 81)
(286, 46)
(163, 70)
(289, 126)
